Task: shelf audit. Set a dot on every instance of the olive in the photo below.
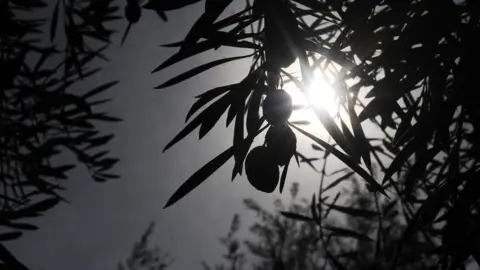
(261, 170)
(278, 53)
(282, 143)
(9, 69)
(281, 35)
(457, 231)
(277, 107)
(133, 12)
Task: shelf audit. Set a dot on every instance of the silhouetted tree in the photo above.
(362, 239)
(288, 238)
(46, 48)
(144, 257)
(414, 60)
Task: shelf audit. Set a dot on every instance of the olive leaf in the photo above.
(296, 216)
(213, 9)
(357, 212)
(343, 232)
(160, 5)
(206, 120)
(206, 97)
(200, 176)
(10, 236)
(53, 24)
(339, 180)
(283, 177)
(346, 159)
(197, 70)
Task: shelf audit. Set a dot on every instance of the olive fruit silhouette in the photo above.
(262, 172)
(457, 231)
(278, 51)
(133, 12)
(8, 74)
(282, 143)
(281, 34)
(277, 107)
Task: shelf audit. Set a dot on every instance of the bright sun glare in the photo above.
(320, 94)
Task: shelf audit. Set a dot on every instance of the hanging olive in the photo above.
(277, 107)
(133, 12)
(261, 170)
(456, 233)
(282, 143)
(282, 35)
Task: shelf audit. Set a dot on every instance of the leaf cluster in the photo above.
(415, 62)
(47, 116)
(296, 237)
(144, 257)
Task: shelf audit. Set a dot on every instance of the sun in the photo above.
(320, 94)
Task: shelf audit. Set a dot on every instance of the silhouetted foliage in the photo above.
(295, 240)
(46, 48)
(144, 257)
(414, 60)
(291, 237)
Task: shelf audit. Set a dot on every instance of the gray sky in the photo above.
(98, 228)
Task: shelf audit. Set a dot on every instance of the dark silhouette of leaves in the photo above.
(181, 55)
(201, 175)
(301, 122)
(361, 142)
(213, 114)
(53, 24)
(213, 9)
(342, 232)
(338, 181)
(280, 241)
(401, 158)
(418, 169)
(304, 159)
(350, 140)
(206, 97)
(21, 226)
(317, 148)
(44, 112)
(99, 89)
(354, 211)
(218, 108)
(333, 129)
(416, 60)
(346, 159)
(314, 5)
(145, 257)
(314, 209)
(40, 206)
(198, 70)
(253, 117)
(10, 236)
(9, 261)
(283, 177)
(168, 5)
(296, 216)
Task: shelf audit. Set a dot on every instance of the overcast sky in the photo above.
(98, 228)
